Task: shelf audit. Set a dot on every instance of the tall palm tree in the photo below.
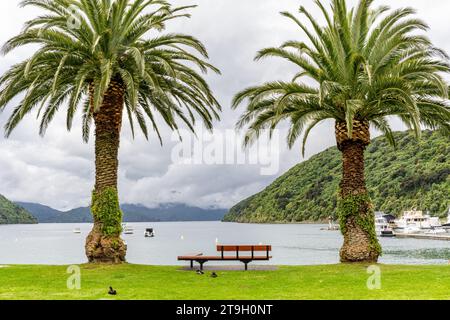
(106, 57)
(367, 64)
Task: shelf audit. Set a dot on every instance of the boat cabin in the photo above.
(149, 233)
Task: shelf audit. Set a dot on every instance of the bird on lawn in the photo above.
(112, 292)
(214, 275)
(200, 272)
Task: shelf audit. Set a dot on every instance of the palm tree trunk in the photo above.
(104, 245)
(355, 208)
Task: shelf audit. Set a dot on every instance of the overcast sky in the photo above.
(58, 170)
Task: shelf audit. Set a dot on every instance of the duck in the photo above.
(112, 292)
(200, 272)
(214, 275)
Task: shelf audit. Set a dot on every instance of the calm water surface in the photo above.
(292, 244)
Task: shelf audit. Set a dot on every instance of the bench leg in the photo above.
(192, 264)
(246, 262)
(201, 264)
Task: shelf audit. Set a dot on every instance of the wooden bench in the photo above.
(244, 254)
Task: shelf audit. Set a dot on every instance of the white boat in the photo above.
(436, 231)
(382, 227)
(149, 233)
(435, 222)
(77, 230)
(127, 229)
(416, 222)
(447, 225)
(332, 226)
(413, 221)
(411, 229)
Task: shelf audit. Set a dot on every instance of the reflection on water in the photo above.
(292, 244)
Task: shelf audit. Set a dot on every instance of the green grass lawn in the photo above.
(167, 283)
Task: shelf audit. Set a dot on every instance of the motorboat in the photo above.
(388, 233)
(332, 226)
(149, 233)
(127, 229)
(77, 231)
(382, 227)
(415, 221)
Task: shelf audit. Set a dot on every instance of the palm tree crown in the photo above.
(367, 64)
(107, 57)
(86, 45)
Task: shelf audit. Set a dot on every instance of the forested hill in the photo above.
(416, 175)
(11, 213)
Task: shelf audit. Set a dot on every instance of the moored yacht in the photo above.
(447, 225)
(382, 227)
(435, 222)
(417, 222)
(413, 221)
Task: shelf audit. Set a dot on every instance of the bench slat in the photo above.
(216, 258)
(193, 255)
(249, 248)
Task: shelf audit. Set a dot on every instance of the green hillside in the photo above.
(11, 213)
(416, 175)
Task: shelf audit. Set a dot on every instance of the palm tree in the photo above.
(367, 64)
(106, 57)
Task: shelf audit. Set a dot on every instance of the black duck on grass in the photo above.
(112, 292)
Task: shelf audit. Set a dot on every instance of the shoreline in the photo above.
(281, 222)
(254, 223)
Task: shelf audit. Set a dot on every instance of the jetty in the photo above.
(423, 236)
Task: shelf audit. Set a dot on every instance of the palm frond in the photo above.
(109, 41)
(367, 64)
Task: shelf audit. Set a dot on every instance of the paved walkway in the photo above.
(231, 268)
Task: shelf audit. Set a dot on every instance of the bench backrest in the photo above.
(245, 248)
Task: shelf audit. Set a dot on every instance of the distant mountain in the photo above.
(132, 213)
(11, 213)
(416, 175)
(45, 214)
(171, 212)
